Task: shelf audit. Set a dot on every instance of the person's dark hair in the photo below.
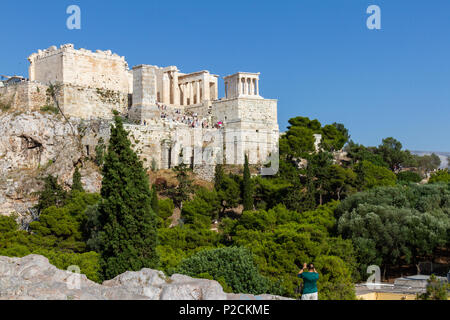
(310, 266)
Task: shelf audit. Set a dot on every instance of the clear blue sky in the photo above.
(317, 56)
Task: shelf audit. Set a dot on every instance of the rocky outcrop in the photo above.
(34, 278)
(33, 145)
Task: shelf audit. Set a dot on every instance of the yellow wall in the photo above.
(386, 296)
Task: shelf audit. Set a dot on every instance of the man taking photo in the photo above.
(309, 282)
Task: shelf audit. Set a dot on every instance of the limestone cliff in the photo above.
(33, 145)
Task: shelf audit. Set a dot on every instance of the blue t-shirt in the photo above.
(309, 282)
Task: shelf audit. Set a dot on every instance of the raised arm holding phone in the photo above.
(310, 278)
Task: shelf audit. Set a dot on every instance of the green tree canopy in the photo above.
(56, 235)
(8, 224)
(436, 290)
(393, 225)
(228, 191)
(358, 153)
(440, 176)
(371, 176)
(180, 242)
(201, 210)
(282, 240)
(52, 194)
(247, 187)
(154, 201)
(184, 189)
(60, 224)
(299, 139)
(335, 279)
(269, 192)
(409, 176)
(77, 186)
(340, 182)
(391, 151)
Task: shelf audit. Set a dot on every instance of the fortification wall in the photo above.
(257, 144)
(163, 144)
(146, 141)
(100, 69)
(250, 110)
(75, 101)
(23, 96)
(91, 103)
(251, 128)
(200, 147)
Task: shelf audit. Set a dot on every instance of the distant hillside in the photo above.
(442, 155)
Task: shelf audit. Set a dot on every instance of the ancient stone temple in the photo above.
(172, 116)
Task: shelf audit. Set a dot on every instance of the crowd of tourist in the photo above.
(193, 120)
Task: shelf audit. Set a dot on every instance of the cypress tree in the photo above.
(155, 205)
(247, 189)
(76, 181)
(52, 194)
(184, 189)
(128, 234)
(218, 177)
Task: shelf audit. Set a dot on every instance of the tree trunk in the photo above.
(62, 113)
(320, 195)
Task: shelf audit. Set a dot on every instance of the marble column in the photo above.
(175, 89)
(184, 88)
(191, 93)
(197, 87)
(206, 91)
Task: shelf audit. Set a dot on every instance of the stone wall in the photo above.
(144, 93)
(100, 69)
(251, 110)
(91, 103)
(23, 96)
(163, 145)
(200, 148)
(251, 128)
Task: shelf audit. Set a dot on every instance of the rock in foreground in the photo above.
(34, 278)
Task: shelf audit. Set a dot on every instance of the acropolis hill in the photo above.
(166, 105)
(168, 113)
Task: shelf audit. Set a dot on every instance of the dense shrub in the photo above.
(408, 176)
(335, 279)
(19, 243)
(440, 176)
(371, 175)
(180, 242)
(166, 207)
(202, 210)
(235, 265)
